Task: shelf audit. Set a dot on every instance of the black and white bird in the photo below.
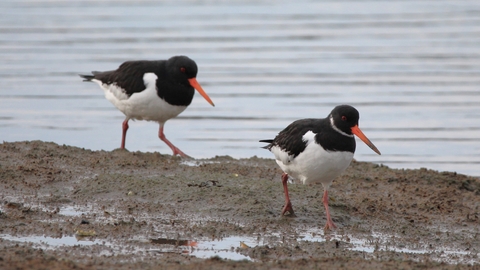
(317, 150)
(151, 90)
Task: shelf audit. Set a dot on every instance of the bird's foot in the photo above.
(329, 226)
(288, 210)
(177, 151)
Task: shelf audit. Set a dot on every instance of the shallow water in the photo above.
(410, 67)
(231, 247)
(236, 247)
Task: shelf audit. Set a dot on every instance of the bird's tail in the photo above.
(268, 145)
(87, 78)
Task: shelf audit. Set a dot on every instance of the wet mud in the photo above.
(64, 207)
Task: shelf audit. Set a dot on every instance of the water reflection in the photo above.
(238, 247)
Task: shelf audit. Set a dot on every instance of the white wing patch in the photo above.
(112, 91)
(309, 137)
(281, 155)
(150, 79)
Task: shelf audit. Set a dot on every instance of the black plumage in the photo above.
(172, 83)
(291, 140)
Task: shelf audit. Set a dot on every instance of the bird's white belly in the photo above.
(145, 105)
(315, 164)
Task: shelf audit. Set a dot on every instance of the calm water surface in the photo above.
(412, 69)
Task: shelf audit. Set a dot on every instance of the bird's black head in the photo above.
(344, 118)
(181, 68)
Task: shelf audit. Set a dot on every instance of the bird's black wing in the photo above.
(128, 77)
(290, 139)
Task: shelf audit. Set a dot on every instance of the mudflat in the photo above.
(65, 207)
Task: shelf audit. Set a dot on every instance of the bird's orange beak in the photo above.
(356, 130)
(193, 82)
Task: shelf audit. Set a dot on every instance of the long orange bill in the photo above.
(356, 130)
(193, 82)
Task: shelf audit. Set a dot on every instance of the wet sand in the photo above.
(131, 210)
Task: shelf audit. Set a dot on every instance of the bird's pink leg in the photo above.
(329, 224)
(288, 205)
(124, 133)
(175, 150)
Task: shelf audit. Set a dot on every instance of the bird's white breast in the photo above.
(314, 164)
(144, 105)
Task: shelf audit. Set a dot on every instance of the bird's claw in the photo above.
(329, 226)
(287, 210)
(177, 151)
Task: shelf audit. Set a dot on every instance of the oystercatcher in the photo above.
(151, 90)
(317, 150)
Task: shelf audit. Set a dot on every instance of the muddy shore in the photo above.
(65, 207)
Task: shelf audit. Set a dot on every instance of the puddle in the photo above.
(196, 163)
(71, 211)
(228, 247)
(64, 211)
(54, 242)
(172, 245)
(224, 248)
(378, 242)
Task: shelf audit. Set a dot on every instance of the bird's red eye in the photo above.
(344, 118)
(182, 69)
